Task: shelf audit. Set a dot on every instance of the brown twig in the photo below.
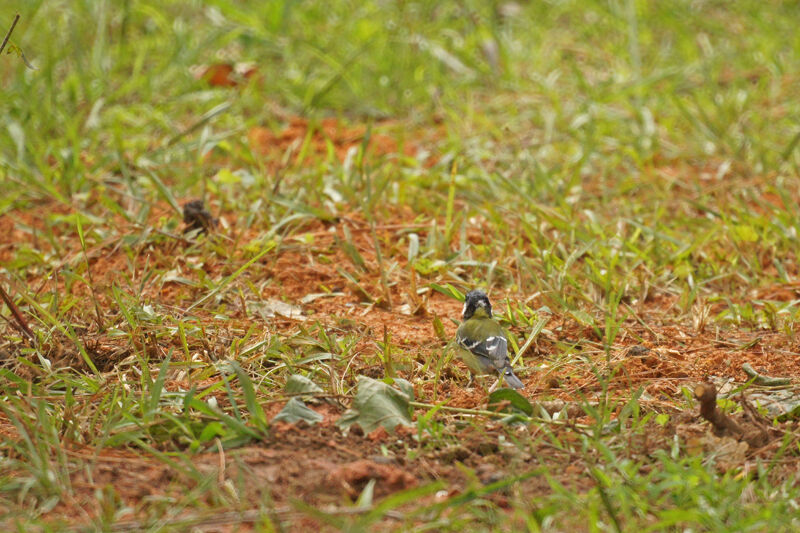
(706, 394)
(754, 434)
(8, 35)
(23, 325)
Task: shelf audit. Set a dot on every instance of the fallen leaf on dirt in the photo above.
(308, 298)
(271, 308)
(225, 74)
(295, 410)
(297, 384)
(379, 404)
(782, 404)
(175, 276)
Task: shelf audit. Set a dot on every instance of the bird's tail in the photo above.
(512, 380)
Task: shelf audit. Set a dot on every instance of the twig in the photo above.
(755, 435)
(23, 326)
(761, 379)
(706, 394)
(8, 35)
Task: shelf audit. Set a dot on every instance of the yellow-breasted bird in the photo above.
(484, 347)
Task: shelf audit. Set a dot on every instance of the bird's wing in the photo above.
(494, 348)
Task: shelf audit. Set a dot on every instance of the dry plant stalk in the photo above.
(724, 425)
(706, 394)
(21, 323)
(8, 35)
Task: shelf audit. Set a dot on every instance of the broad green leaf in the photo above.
(516, 401)
(295, 410)
(379, 404)
(297, 384)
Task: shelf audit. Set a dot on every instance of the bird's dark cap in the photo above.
(473, 300)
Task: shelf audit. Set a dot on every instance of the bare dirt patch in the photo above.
(321, 465)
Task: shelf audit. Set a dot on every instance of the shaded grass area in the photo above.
(616, 174)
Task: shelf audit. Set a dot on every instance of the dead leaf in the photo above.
(272, 308)
(225, 74)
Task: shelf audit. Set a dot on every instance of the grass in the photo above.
(615, 173)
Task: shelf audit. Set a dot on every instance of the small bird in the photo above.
(484, 347)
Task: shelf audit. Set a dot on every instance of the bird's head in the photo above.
(476, 301)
